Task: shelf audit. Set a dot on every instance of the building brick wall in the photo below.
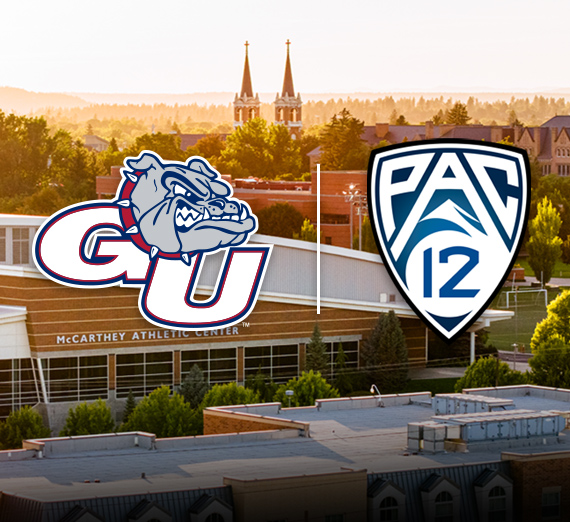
(216, 422)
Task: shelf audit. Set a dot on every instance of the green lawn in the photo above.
(529, 311)
(445, 385)
(560, 269)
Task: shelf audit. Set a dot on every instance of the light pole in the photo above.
(357, 199)
(375, 391)
(289, 394)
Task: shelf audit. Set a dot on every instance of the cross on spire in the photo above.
(247, 45)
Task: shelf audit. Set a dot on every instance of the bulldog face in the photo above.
(187, 208)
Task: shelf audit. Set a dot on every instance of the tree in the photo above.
(88, 419)
(167, 146)
(544, 245)
(556, 324)
(21, 425)
(209, 147)
(341, 143)
(229, 394)
(262, 385)
(317, 358)
(194, 387)
(342, 380)
(401, 120)
(247, 152)
(280, 219)
(308, 232)
(368, 241)
(163, 414)
(458, 114)
(438, 118)
(550, 365)
(130, 406)
(306, 390)
(385, 354)
(284, 150)
(489, 371)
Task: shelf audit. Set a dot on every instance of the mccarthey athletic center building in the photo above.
(60, 345)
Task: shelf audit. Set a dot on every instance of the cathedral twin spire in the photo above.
(287, 106)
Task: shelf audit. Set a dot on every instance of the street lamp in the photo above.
(289, 394)
(375, 391)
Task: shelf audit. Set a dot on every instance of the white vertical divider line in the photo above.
(318, 238)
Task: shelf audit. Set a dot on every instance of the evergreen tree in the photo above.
(21, 425)
(458, 114)
(88, 419)
(342, 380)
(130, 406)
(341, 143)
(262, 385)
(194, 387)
(368, 241)
(385, 355)
(317, 358)
(544, 246)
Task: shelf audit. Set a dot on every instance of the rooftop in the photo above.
(344, 433)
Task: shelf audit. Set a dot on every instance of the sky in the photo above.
(185, 46)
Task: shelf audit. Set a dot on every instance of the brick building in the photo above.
(61, 345)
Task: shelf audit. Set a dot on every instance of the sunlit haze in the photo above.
(176, 46)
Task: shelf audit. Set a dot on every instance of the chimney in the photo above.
(518, 134)
(537, 141)
(496, 134)
(429, 130)
(382, 129)
(553, 138)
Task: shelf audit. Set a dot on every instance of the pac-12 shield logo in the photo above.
(157, 233)
(449, 218)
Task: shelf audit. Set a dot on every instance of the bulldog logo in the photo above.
(157, 234)
(181, 209)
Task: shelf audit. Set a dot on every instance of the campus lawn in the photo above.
(560, 269)
(529, 311)
(443, 385)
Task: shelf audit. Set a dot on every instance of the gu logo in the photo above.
(157, 234)
(449, 217)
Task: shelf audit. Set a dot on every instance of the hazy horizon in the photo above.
(369, 46)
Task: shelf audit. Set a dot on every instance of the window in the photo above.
(20, 246)
(550, 504)
(17, 385)
(444, 507)
(497, 505)
(143, 372)
(218, 364)
(76, 378)
(388, 510)
(350, 349)
(279, 362)
(2, 245)
(335, 219)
